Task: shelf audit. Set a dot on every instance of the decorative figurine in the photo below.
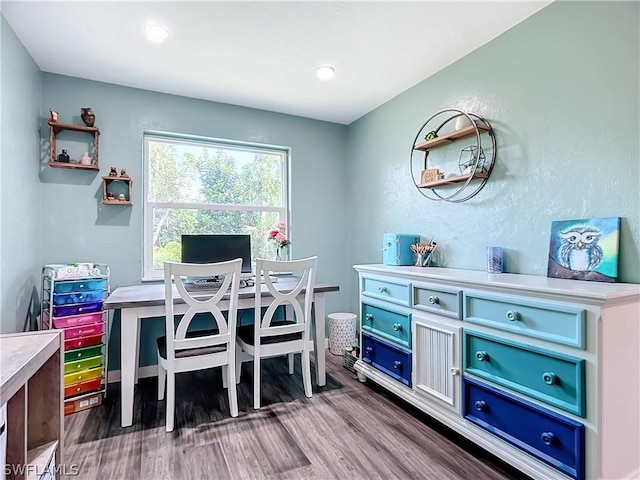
(54, 115)
(63, 157)
(124, 174)
(122, 197)
(431, 135)
(87, 116)
(85, 159)
(113, 172)
(110, 196)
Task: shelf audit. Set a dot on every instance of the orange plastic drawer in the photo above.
(83, 387)
(84, 331)
(87, 341)
(83, 375)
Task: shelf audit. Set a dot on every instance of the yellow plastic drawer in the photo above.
(83, 375)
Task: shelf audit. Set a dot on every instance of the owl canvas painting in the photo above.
(585, 249)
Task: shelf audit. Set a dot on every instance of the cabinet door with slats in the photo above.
(436, 348)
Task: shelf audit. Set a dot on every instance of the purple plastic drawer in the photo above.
(63, 311)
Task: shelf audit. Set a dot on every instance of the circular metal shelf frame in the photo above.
(480, 126)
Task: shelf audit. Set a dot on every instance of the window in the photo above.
(199, 185)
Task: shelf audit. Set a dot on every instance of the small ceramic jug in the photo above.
(63, 157)
(85, 159)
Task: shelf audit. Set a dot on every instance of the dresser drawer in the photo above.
(391, 325)
(554, 323)
(551, 377)
(76, 365)
(552, 438)
(438, 300)
(392, 291)
(387, 358)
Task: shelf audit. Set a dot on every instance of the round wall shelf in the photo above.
(475, 163)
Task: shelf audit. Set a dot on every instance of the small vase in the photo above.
(278, 254)
(419, 259)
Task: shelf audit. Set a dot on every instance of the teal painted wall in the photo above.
(20, 227)
(77, 227)
(561, 91)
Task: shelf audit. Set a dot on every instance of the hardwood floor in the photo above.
(346, 431)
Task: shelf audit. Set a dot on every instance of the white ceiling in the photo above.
(263, 54)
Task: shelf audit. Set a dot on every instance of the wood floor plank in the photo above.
(346, 430)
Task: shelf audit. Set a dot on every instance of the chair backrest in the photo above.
(305, 271)
(175, 276)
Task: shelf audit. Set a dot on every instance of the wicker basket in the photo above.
(349, 357)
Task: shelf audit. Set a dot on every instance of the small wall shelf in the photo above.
(118, 186)
(55, 128)
(474, 170)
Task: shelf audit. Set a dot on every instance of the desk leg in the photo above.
(129, 326)
(319, 316)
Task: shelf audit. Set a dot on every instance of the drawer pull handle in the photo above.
(548, 438)
(369, 317)
(383, 289)
(397, 364)
(480, 405)
(397, 327)
(454, 371)
(512, 315)
(369, 349)
(550, 378)
(482, 356)
(434, 300)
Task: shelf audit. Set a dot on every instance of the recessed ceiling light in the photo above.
(156, 33)
(325, 72)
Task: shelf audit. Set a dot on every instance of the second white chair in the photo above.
(269, 337)
(182, 350)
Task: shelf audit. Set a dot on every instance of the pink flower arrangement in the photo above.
(278, 235)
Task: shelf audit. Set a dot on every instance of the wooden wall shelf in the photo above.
(452, 180)
(56, 128)
(116, 185)
(450, 137)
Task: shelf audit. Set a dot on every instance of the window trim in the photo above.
(148, 272)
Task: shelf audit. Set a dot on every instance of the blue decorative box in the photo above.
(396, 248)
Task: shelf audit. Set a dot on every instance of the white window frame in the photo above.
(150, 273)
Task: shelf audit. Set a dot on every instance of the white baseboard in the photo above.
(147, 371)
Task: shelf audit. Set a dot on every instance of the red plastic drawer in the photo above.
(83, 342)
(83, 330)
(76, 320)
(83, 387)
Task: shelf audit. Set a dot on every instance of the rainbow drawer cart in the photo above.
(72, 301)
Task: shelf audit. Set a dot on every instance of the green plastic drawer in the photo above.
(392, 291)
(389, 324)
(76, 365)
(551, 322)
(81, 353)
(551, 377)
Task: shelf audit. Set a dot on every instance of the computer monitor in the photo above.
(217, 248)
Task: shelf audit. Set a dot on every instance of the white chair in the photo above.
(268, 337)
(182, 350)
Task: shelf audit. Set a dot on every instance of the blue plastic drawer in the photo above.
(554, 439)
(387, 358)
(551, 377)
(63, 311)
(80, 285)
(78, 297)
(388, 324)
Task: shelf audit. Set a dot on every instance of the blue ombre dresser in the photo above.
(539, 371)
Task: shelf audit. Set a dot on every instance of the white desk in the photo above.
(138, 302)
